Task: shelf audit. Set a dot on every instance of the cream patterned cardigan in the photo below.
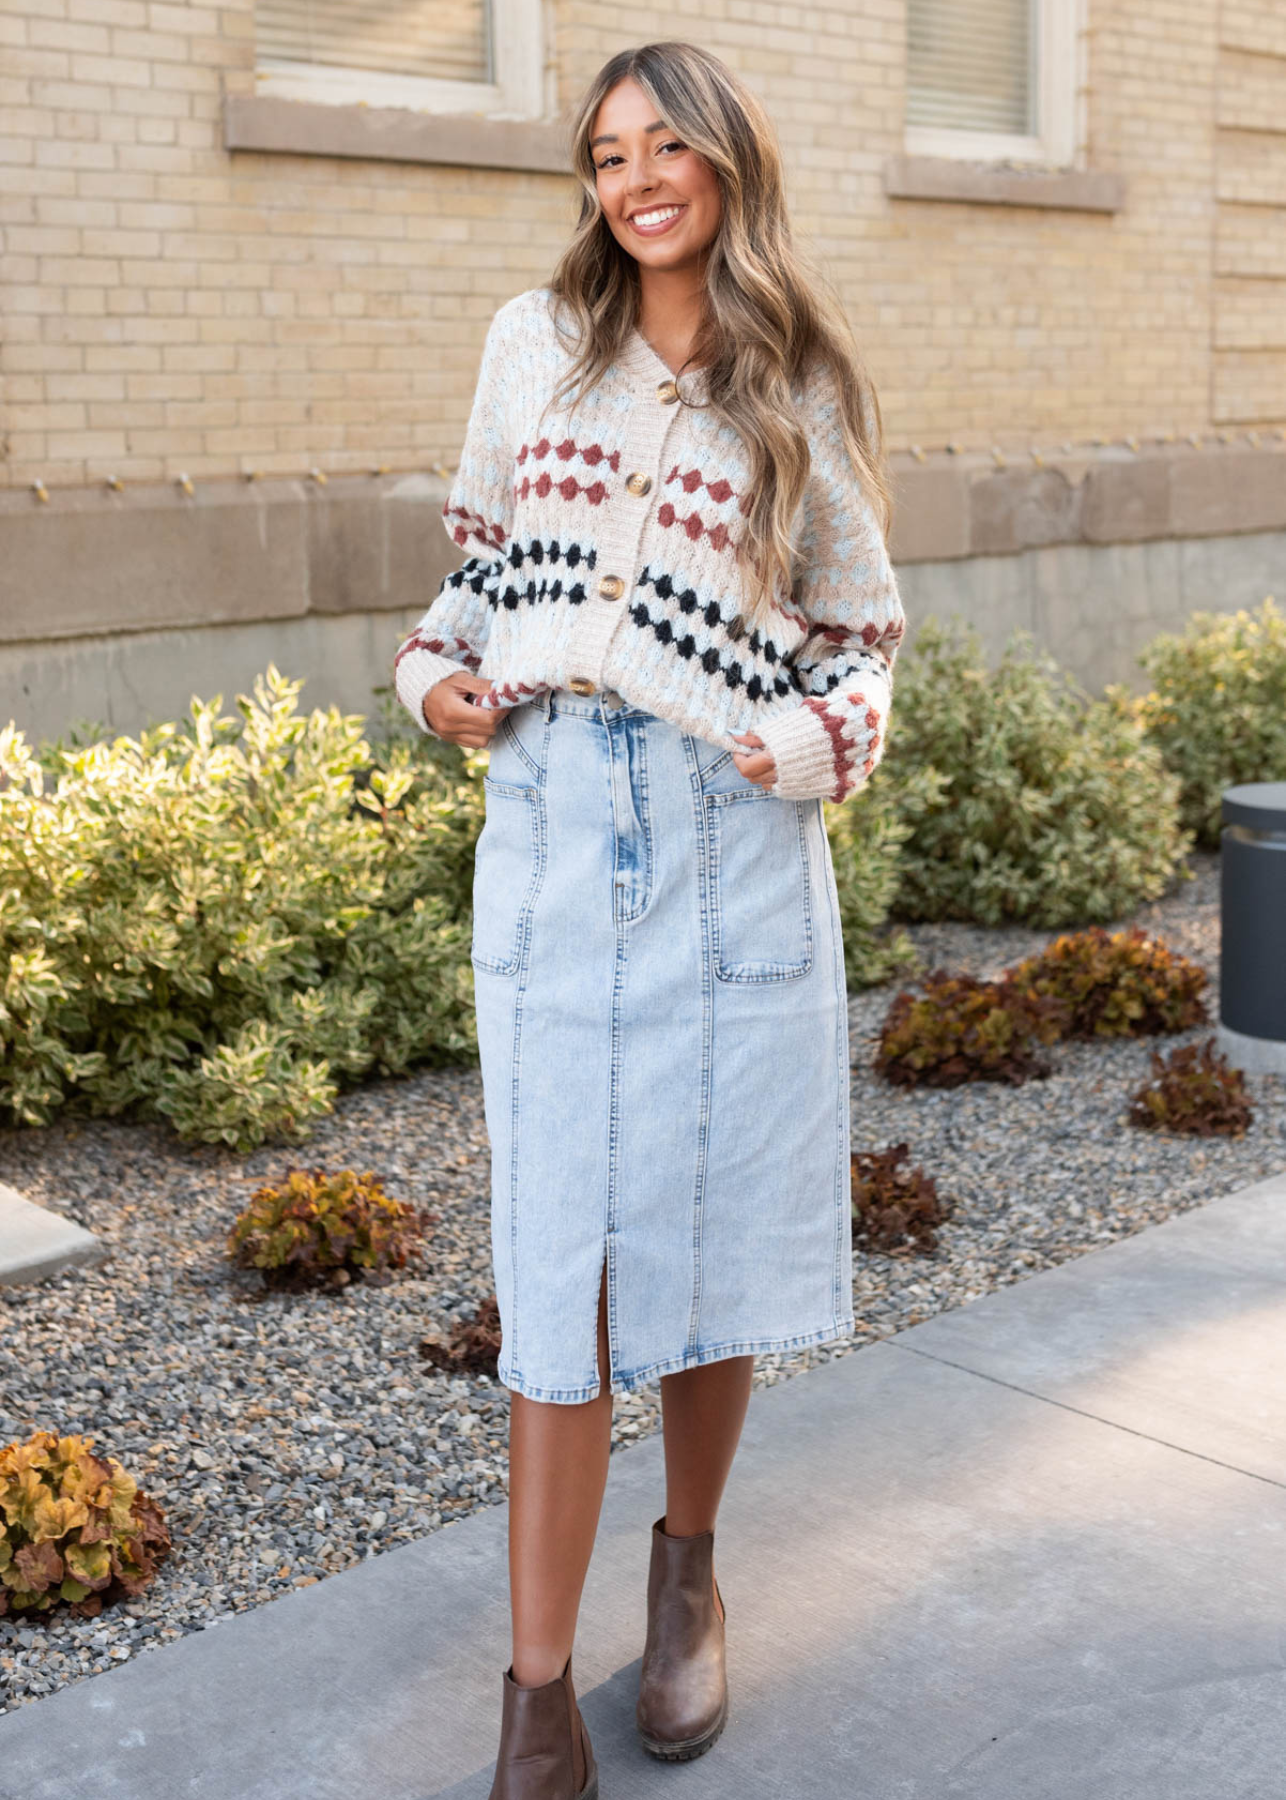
(603, 555)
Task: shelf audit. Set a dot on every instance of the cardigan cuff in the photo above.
(802, 750)
(418, 671)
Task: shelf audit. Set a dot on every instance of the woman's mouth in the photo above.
(652, 221)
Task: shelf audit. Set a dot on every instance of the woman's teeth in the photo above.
(658, 217)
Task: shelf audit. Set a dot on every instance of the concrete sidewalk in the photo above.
(1034, 1549)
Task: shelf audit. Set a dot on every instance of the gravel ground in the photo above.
(288, 1438)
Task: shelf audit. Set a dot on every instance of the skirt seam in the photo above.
(707, 1043)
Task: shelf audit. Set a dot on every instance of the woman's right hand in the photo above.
(451, 713)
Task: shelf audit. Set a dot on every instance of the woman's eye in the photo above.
(612, 157)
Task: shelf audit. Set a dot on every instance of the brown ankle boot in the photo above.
(545, 1751)
(683, 1689)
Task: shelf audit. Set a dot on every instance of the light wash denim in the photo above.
(661, 1014)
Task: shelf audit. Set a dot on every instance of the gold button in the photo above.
(668, 391)
(639, 484)
(579, 685)
(611, 587)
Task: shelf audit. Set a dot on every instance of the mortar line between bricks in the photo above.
(1081, 1413)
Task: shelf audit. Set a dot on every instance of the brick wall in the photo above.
(1248, 332)
(171, 307)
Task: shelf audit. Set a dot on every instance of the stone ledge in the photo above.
(965, 505)
(93, 563)
(392, 134)
(1002, 184)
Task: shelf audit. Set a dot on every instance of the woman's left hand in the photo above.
(757, 763)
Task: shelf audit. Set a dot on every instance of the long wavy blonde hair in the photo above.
(768, 321)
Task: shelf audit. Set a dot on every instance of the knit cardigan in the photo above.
(604, 552)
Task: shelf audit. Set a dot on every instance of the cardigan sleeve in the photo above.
(826, 746)
(478, 515)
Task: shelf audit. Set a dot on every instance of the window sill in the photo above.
(992, 184)
(392, 134)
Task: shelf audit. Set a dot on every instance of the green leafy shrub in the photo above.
(958, 1029)
(896, 1206)
(316, 1227)
(1195, 1089)
(1218, 710)
(1128, 984)
(225, 920)
(73, 1527)
(471, 1347)
(866, 835)
(1054, 809)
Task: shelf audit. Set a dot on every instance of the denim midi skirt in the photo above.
(662, 1024)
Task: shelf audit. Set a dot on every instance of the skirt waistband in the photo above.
(604, 703)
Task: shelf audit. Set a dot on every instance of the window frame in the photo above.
(1059, 40)
(517, 91)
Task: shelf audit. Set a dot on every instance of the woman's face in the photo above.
(660, 199)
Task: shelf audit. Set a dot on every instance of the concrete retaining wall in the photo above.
(117, 607)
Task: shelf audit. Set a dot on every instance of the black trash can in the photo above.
(1252, 957)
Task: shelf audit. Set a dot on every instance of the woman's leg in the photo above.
(557, 1472)
(703, 1411)
(683, 1687)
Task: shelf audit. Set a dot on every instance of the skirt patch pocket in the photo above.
(508, 863)
(760, 887)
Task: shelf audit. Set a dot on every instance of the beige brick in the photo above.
(66, 415)
(126, 301)
(92, 387)
(155, 103)
(155, 215)
(85, 443)
(127, 14)
(69, 34)
(122, 417)
(116, 186)
(116, 71)
(74, 155)
(125, 357)
(190, 21)
(71, 96)
(49, 65)
(199, 356)
(126, 468)
(169, 386)
(49, 359)
(115, 242)
(63, 210)
(85, 302)
(151, 46)
(42, 240)
(26, 296)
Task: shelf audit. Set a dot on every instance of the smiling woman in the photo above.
(675, 635)
(714, 282)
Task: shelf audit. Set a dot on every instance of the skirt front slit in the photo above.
(663, 1035)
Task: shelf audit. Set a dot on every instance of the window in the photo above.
(443, 56)
(992, 79)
